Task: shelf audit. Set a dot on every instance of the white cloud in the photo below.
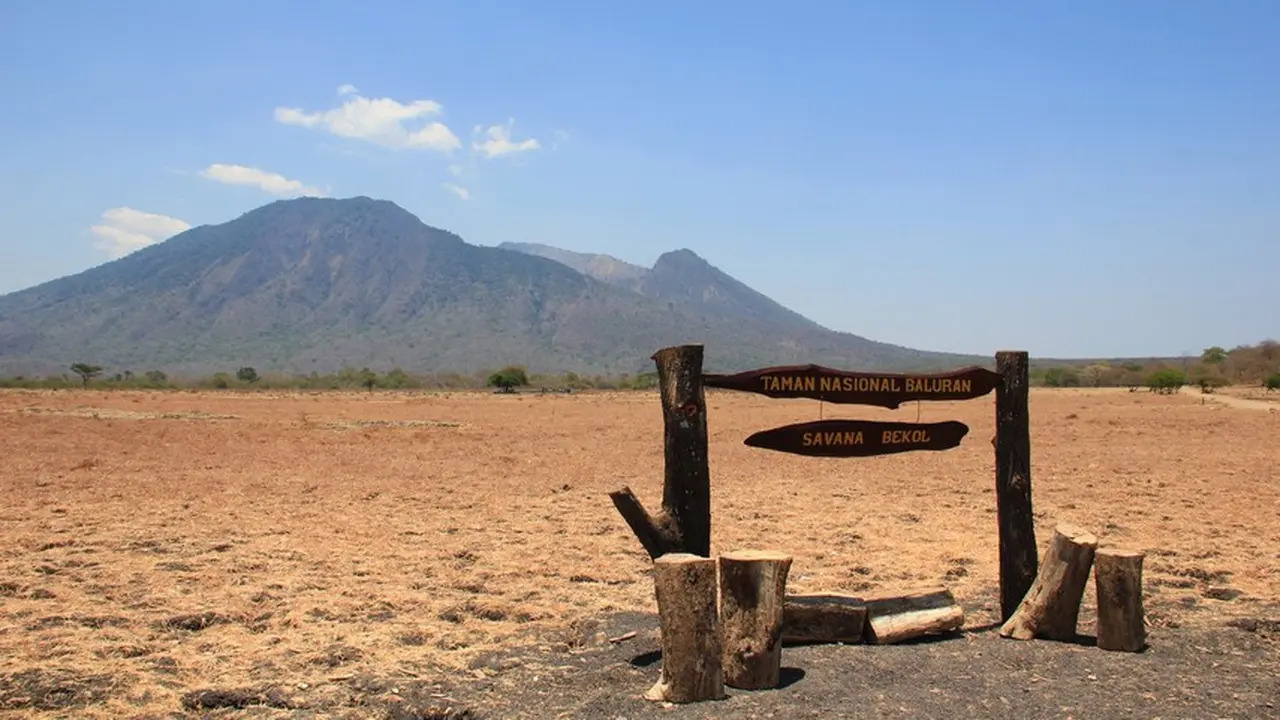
(124, 230)
(498, 141)
(348, 89)
(381, 121)
(458, 190)
(273, 183)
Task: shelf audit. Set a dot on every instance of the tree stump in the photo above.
(893, 618)
(1052, 605)
(685, 588)
(752, 591)
(823, 618)
(1118, 579)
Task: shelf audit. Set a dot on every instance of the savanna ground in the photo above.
(166, 554)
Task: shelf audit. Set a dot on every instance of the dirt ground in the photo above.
(418, 555)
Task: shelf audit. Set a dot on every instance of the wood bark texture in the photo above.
(1052, 606)
(752, 592)
(1118, 581)
(685, 588)
(684, 523)
(657, 534)
(1013, 480)
(818, 618)
(686, 488)
(895, 617)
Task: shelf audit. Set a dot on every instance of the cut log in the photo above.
(1118, 580)
(895, 617)
(1052, 605)
(823, 618)
(753, 587)
(685, 588)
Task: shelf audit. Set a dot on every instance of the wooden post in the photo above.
(1118, 580)
(752, 591)
(894, 617)
(823, 618)
(685, 588)
(684, 524)
(1052, 606)
(1013, 480)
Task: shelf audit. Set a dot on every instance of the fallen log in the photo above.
(752, 588)
(685, 588)
(1118, 580)
(823, 618)
(893, 618)
(1052, 605)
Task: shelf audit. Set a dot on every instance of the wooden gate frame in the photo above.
(684, 522)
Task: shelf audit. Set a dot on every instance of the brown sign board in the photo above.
(859, 438)
(888, 390)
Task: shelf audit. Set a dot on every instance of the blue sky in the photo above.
(1071, 178)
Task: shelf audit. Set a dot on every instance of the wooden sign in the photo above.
(859, 438)
(888, 390)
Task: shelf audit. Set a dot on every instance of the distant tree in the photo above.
(1273, 382)
(247, 374)
(1062, 377)
(397, 378)
(1208, 376)
(1095, 374)
(508, 378)
(1168, 380)
(221, 380)
(1213, 355)
(86, 372)
(156, 377)
(368, 379)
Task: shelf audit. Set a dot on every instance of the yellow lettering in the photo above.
(903, 437)
(807, 440)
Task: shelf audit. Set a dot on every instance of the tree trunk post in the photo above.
(686, 487)
(1013, 480)
(684, 523)
(1052, 606)
(685, 588)
(1118, 580)
(752, 590)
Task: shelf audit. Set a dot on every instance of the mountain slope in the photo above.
(679, 276)
(605, 268)
(313, 284)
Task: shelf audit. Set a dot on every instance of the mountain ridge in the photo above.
(312, 284)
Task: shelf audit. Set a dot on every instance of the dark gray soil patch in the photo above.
(1223, 672)
(53, 689)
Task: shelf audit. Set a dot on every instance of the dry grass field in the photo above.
(154, 543)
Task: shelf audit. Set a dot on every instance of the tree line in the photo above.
(1257, 365)
(1215, 367)
(85, 375)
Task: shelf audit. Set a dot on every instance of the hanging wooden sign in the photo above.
(859, 438)
(888, 390)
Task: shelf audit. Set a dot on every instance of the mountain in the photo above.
(680, 277)
(317, 283)
(601, 267)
